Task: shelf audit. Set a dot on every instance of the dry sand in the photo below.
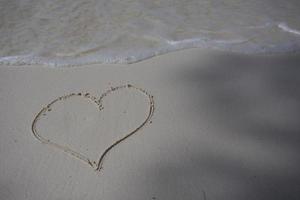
(225, 126)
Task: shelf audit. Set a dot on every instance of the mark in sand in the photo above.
(98, 101)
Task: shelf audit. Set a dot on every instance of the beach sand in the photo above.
(224, 126)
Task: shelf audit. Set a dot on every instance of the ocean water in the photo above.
(77, 32)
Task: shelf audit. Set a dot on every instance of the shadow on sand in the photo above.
(254, 102)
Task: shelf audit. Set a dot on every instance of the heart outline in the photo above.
(96, 165)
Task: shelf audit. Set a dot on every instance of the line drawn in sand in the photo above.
(98, 101)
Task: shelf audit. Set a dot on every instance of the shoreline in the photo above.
(177, 51)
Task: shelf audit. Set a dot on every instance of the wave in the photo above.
(79, 32)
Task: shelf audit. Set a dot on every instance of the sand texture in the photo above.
(213, 126)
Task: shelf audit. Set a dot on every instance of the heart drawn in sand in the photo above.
(97, 165)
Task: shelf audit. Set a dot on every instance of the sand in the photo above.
(224, 126)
